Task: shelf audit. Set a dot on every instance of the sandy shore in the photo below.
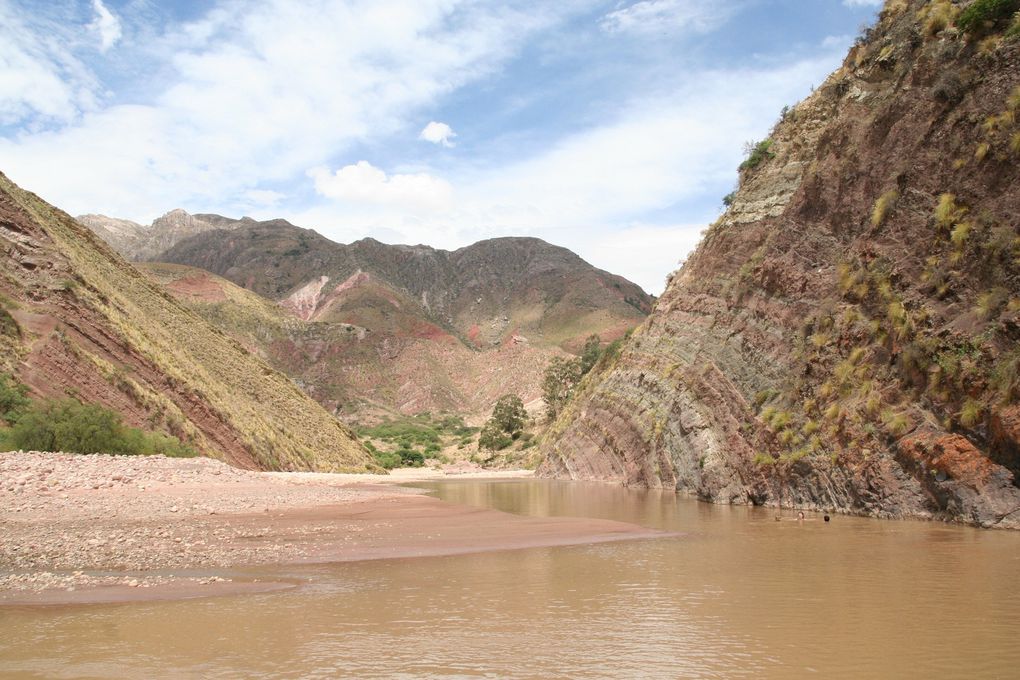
(108, 528)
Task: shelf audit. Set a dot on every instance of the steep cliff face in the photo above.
(76, 319)
(847, 335)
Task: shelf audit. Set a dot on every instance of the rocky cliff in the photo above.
(137, 242)
(847, 335)
(76, 319)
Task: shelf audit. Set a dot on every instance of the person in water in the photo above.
(826, 518)
(800, 516)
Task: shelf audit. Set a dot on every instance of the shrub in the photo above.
(1014, 142)
(387, 459)
(982, 151)
(13, 399)
(947, 212)
(883, 206)
(961, 233)
(757, 153)
(971, 412)
(411, 458)
(990, 302)
(938, 16)
(68, 425)
(493, 437)
(728, 199)
(984, 15)
(1014, 28)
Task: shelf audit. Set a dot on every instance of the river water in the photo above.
(736, 595)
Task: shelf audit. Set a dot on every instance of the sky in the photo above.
(610, 127)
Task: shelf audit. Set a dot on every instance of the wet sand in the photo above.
(104, 528)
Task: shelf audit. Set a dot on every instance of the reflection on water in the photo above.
(738, 595)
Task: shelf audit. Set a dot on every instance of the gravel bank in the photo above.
(73, 521)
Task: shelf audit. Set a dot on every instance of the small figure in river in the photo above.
(826, 518)
(800, 516)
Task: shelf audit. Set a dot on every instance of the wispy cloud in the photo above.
(106, 24)
(668, 16)
(41, 79)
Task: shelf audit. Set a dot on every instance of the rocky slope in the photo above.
(137, 242)
(847, 335)
(395, 362)
(76, 319)
(483, 293)
(370, 326)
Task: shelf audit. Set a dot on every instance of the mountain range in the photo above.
(370, 327)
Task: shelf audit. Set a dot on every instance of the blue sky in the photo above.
(611, 127)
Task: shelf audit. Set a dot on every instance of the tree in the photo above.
(590, 353)
(558, 383)
(505, 424)
(562, 375)
(509, 414)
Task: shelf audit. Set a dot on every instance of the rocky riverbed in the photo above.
(79, 528)
(71, 521)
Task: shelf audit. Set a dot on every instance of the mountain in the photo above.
(405, 365)
(78, 320)
(137, 242)
(370, 326)
(847, 335)
(483, 293)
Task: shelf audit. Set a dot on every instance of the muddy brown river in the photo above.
(737, 594)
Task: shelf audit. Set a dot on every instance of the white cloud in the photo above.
(658, 16)
(438, 133)
(106, 24)
(40, 78)
(649, 251)
(367, 184)
(655, 153)
(863, 3)
(257, 94)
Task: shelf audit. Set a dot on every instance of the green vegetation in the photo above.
(984, 15)
(13, 399)
(73, 427)
(505, 425)
(408, 442)
(562, 375)
(757, 153)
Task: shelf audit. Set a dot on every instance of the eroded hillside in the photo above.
(847, 335)
(76, 319)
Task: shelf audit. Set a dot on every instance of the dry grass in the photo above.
(883, 206)
(277, 423)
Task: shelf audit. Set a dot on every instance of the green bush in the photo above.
(757, 153)
(493, 437)
(984, 15)
(13, 399)
(72, 427)
(386, 459)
